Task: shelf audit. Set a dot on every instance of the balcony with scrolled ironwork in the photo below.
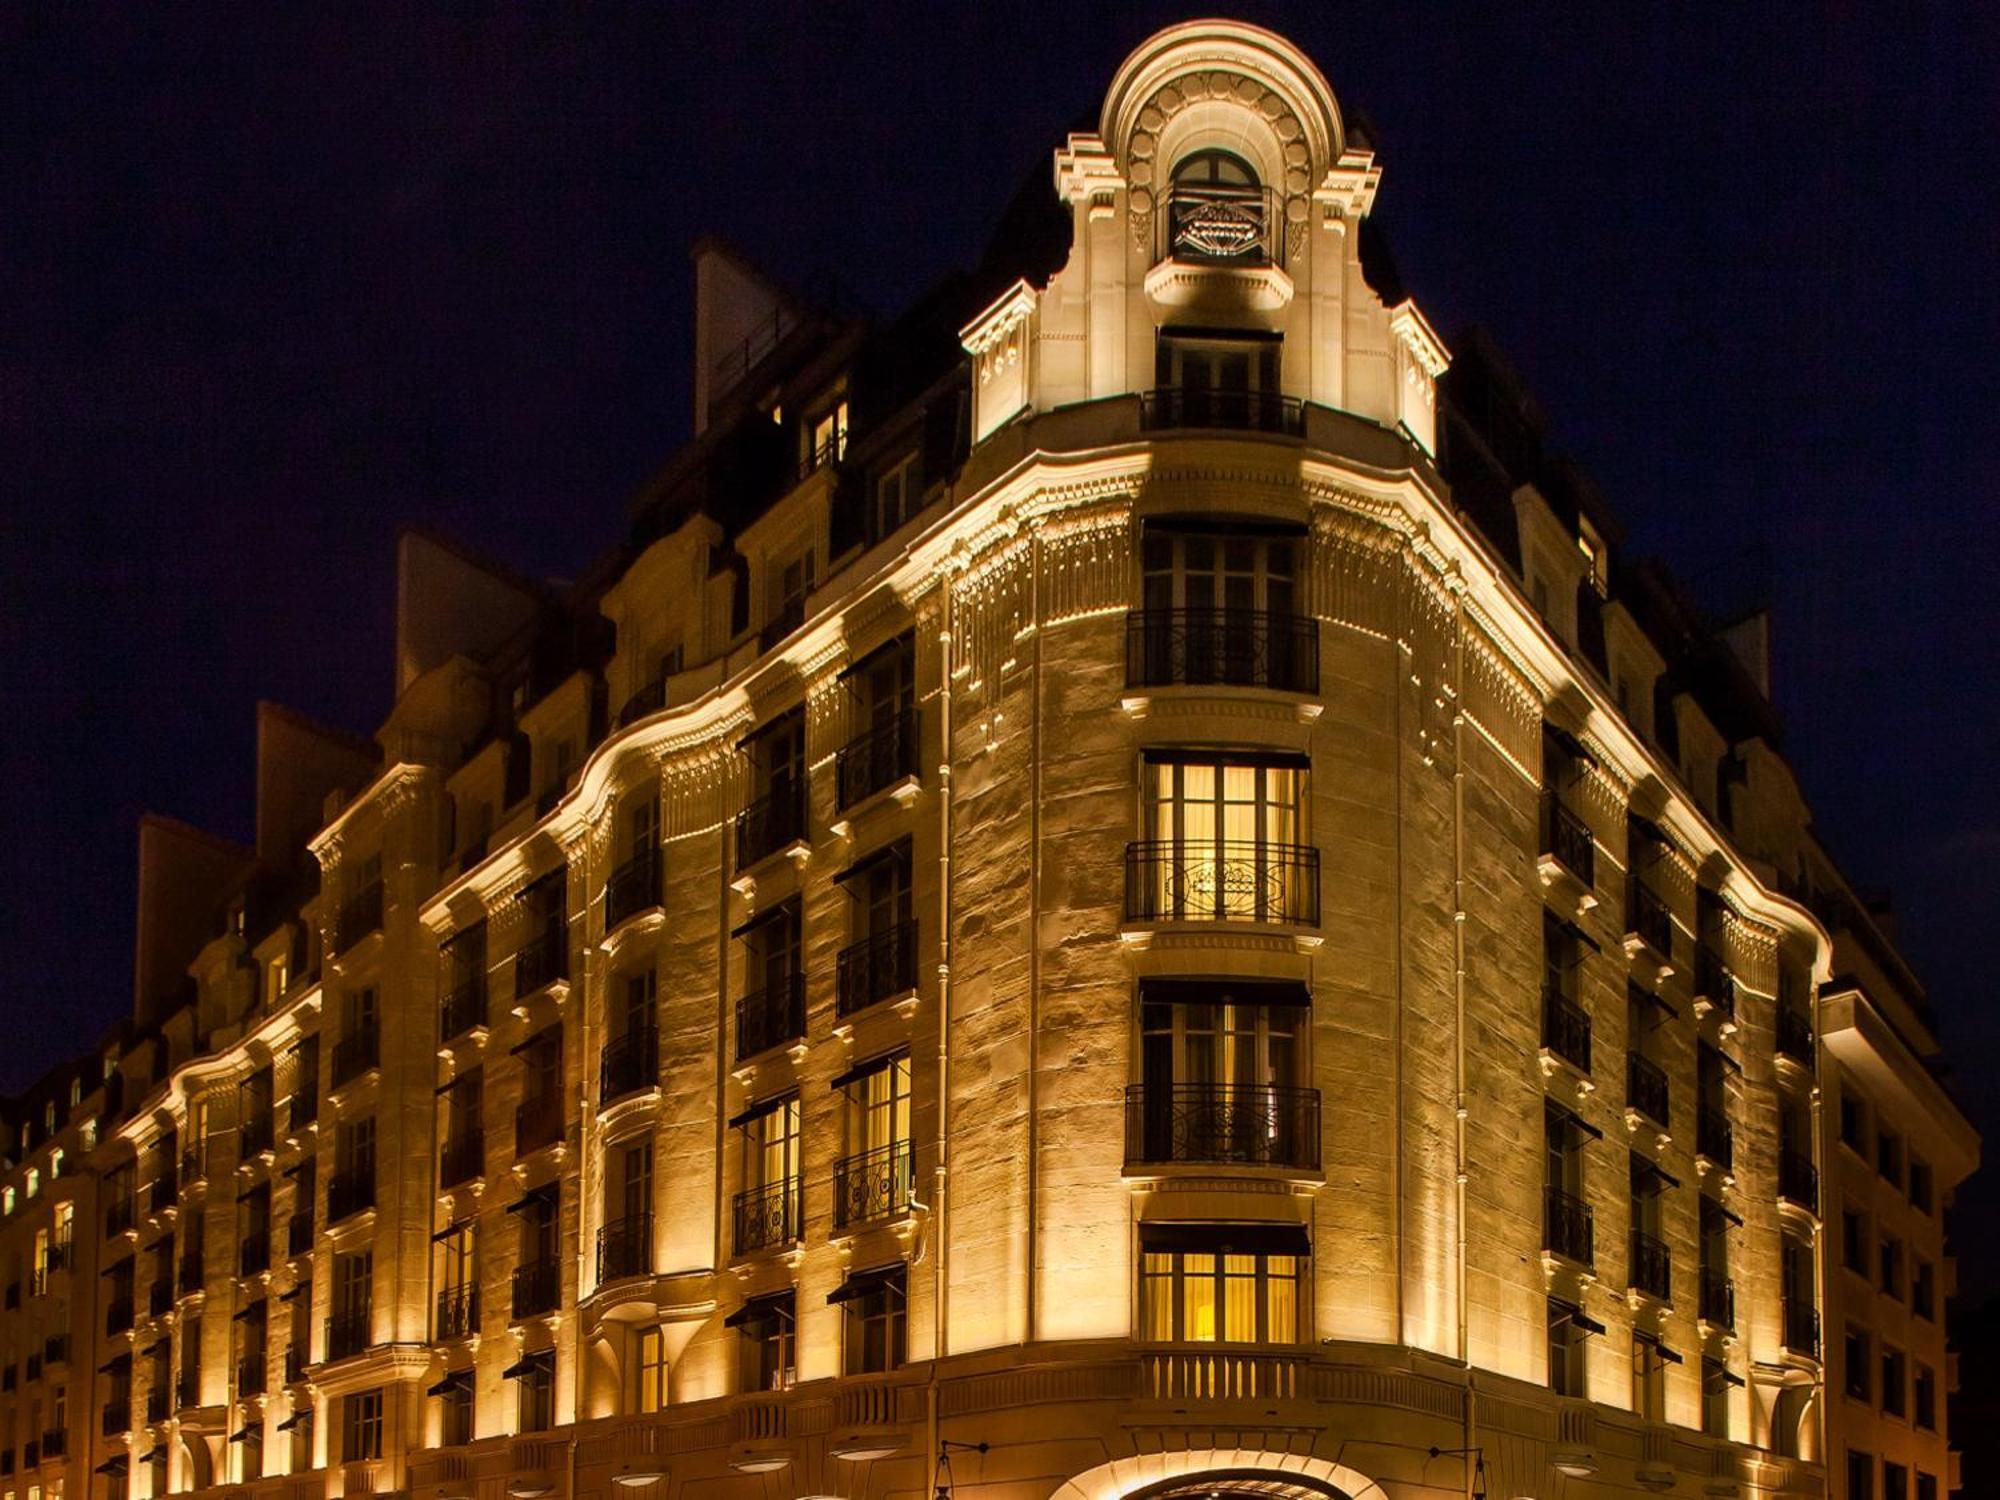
(457, 1312)
(1225, 881)
(877, 758)
(348, 1334)
(877, 968)
(542, 960)
(625, 1248)
(538, 1122)
(1219, 224)
(354, 1055)
(1260, 648)
(769, 1217)
(1795, 1037)
(1651, 1267)
(634, 887)
(1646, 1088)
(1171, 408)
(1567, 840)
(630, 1065)
(1222, 1124)
(359, 916)
(1565, 1029)
(1798, 1180)
(1715, 1137)
(1648, 920)
(771, 1017)
(872, 1185)
(464, 1007)
(1568, 1227)
(537, 1287)
(462, 1159)
(771, 823)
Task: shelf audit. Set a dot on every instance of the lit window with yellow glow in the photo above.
(1220, 1284)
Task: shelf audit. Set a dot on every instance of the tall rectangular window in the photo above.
(650, 1367)
(1716, 1382)
(536, 1374)
(876, 1177)
(767, 1329)
(1221, 1284)
(1225, 841)
(1567, 1328)
(455, 1408)
(361, 1426)
(872, 1304)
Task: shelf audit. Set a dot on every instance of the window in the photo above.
(767, 1329)
(350, 1327)
(881, 713)
(1649, 1377)
(1565, 1023)
(872, 1304)
(1925, 1414)
(361, 1426)
(791, 581)
(876, 1177)
(277, 978)
(826, 437)
(777, 814)
(455, 1408)
(301, 1422)
(1568, 1220)
(1221, 1284)
(1857, 1363)
(1923, 1290)
(249, 1440)
(1567, 1327)
(1220, 1067)
(1651, 1262)
(895, 497)
(1225, 841)
(772, 1009)
(536, 1374)
(1853, 1121)
(650, 1368)
(1716, 1383)
(1895, 1383)
(1218, 378)
(881, 963)
(1895, 1481)
(1853, 1241)
(1892, 1266)
(1860, 1475)
(1927, 1486)
(770, 1209)
(1889, 1157)
(457, 1282)
(1922, 1188)
(626, 1244)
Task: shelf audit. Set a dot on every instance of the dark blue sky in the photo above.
(274, 280)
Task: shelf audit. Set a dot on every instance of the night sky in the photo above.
(274, 281)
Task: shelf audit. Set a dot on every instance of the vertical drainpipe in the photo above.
(1456, 687)
(1033, 1302)
(936, 1232)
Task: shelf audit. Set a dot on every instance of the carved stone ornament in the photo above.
(1192, 88)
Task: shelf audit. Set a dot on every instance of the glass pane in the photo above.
(1198, 1298)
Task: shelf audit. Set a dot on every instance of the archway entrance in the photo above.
(1221, 1473)
(1243, 1484)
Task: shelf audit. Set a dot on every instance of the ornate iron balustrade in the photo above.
(875, 1184)
(250, 1374)
(1646, 1088)
(625, 1248)
(769, 1216)
(464, 1007)
(355, 1055)
(1219, 225)
(1652, 1267)
(770, 823)
(1795, 1036)
(348, 1333)
(1647, 917)
(1567, 837)
(650, 699)
(1169, 407)
(629, 1064)
(1712, 980)
(254, 1254)
(359, 915)
(462, 1159)
(876, 968)
(771, 1016)
(1221, 881)
(538, 1122)
(349, 1193)
(457, 1312)
(1222, 1124)
(1565, 1028)
(542, 960)
(1798, 1180)
(1230, 647)
(1568, 1229)
(1801, 1327)
(634, 887)
(537, 1287)
(1717, 1299)
(1714, 1137)
(877, 758)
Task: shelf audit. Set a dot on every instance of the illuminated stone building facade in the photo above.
(1119, 890)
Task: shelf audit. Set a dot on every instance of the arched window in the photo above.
(1217, 211)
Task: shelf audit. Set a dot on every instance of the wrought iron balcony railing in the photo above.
(877, 758)
(1568, 1229)
(462, 1159)
(1795, 1036)
(1646, 1088)
(771, 822)
(625, 1248)
(359, 915)
(537, 1287)
(1166, 881)
(1567, 837)
(1227, 647)
(770, 1216)
(1565, 1028)
(1169, 407)
(1714, 1137)
(542, 960)
(538, 1122)
(349, 1193)
(630, 1064)
(1801, 1327)
(1798, 1180)
(457, 1312)
(771, 1016)
(1222, 1124)
(464, 1007)
(876, 968)
(348, 1333)
(354, 1055)
(1717, 1299)
(1647, 918)
(1219, 224)
(1651, 1267)
(634, 887)
(877, 1184)
(649, 699)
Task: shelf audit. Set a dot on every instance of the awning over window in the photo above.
(904, 642)
(783, 911)
(861, 1070)
(242, 1434)
(1226, 1239)
(1649, 1176)
(1574, 1123)
(1230, 989)
(296, 1419)
(540, 1362)
(774, 1307)
(116, 1363)
(761, 1108)
(453, 1379)
(545, 1196)
(1175, 756)
(898, 851)
(114, 1466)
(866, 1283)
(1658, 1002)
(1569, 1312)
(1658, 1346)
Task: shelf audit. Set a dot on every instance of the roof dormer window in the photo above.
(1218, 212)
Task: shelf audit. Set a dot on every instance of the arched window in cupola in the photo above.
(1218, 211)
